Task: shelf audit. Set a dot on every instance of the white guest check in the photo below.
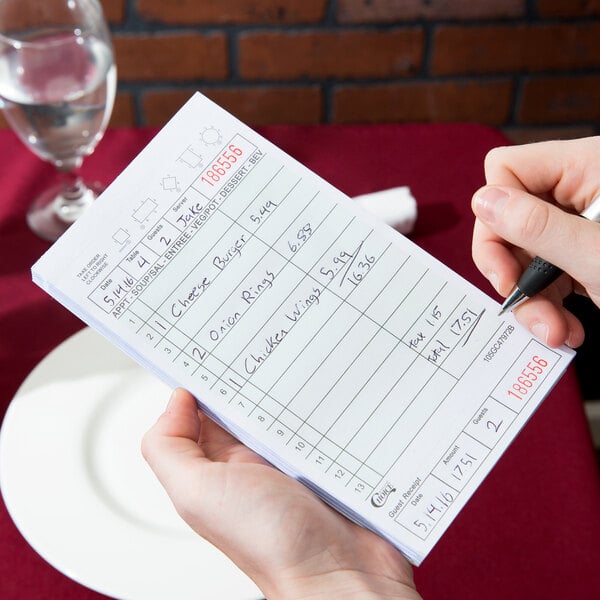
(323, 339)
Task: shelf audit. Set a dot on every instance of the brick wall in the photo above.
(529, 67)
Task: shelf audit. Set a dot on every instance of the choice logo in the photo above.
(379, 498)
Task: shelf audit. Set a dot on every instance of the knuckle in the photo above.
(494, 158)
(535, 224)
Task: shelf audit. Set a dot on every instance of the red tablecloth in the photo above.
(533, 528)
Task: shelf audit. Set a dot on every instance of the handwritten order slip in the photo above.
(323, 339)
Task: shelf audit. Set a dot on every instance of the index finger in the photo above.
(496, 259)
(562, 171)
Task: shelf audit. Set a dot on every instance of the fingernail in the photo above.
(489, 203)
(570, 342)
(494, 280)
(540, 330)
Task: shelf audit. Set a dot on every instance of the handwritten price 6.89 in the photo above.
(526, 379)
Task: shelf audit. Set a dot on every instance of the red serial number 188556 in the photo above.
(527, 378)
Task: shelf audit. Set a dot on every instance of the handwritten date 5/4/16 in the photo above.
(433, 510)
(527, 378)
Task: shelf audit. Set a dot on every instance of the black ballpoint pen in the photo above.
(540, 273)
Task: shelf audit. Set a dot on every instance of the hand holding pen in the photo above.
(540, 273)
(532, 207)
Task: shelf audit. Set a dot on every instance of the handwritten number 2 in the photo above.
(491, 425)
(197, 353)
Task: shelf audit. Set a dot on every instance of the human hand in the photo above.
(275, 529)
(529, 208)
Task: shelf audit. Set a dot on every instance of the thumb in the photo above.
(171, 445)
(543, 229)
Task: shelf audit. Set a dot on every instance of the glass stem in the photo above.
(72, 185)
(74, 197)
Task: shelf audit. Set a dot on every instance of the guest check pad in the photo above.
(323, 339)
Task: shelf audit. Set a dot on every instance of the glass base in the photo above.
(53, 211)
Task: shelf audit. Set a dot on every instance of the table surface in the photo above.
(532, 530)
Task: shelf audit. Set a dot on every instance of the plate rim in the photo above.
(34, 384)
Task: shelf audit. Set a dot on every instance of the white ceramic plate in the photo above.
(76, 486)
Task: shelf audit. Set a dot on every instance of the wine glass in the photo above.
(57, 88)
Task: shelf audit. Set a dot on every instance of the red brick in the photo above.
(20, 19)
(350, 54)
(473, 101)
(527, 135)
(268, 106)
(171, 57)
(232, 11)
(385, 11)
(255, 106)
(572, 8)
(123, 114)
(114, 10)
(560, 100)
(506, 48)
(159, 107)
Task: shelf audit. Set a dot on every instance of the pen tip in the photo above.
(514, 299)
